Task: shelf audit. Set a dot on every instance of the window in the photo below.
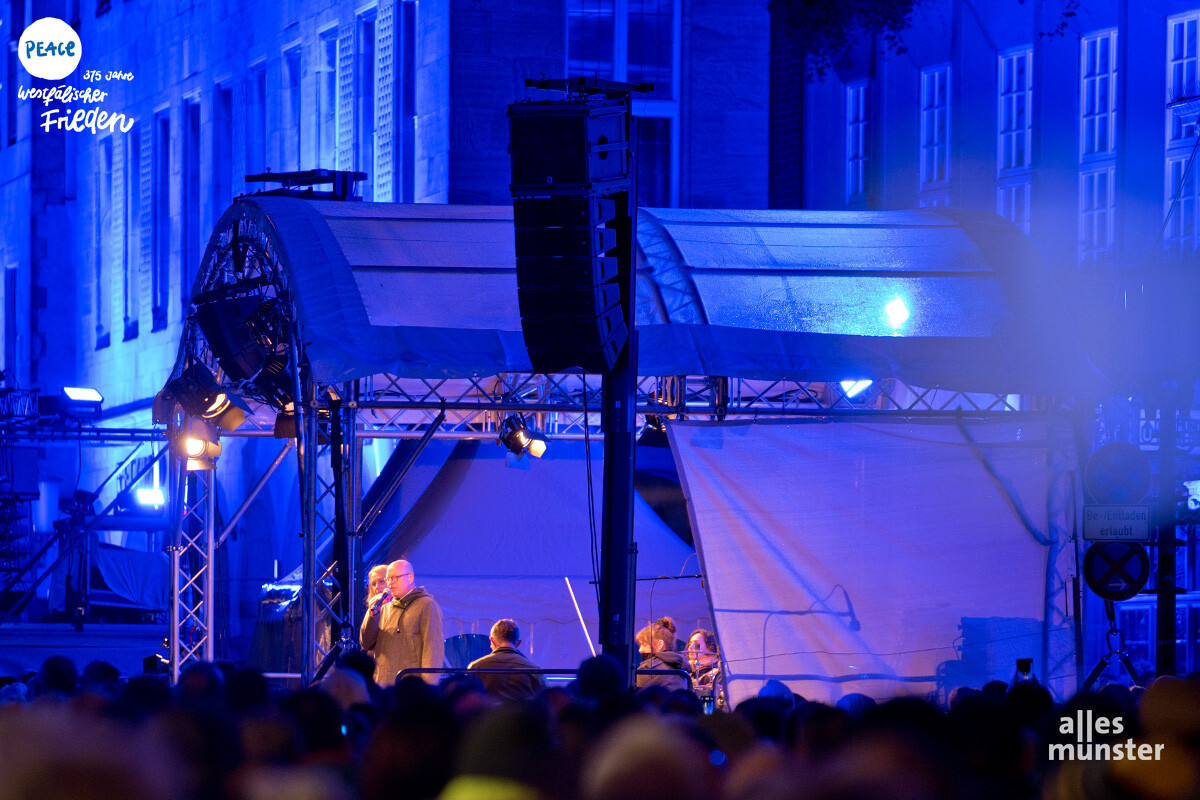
(1181, 205)
(291, 110)
(161, 199)
(256, 121)
(1012, 202)
(654, 162)
(365, 80)
(191, 202)
(856, 142)
(1016, 88)
(408, 101)
(133, 232)
(1014, 135)
(935, 128)
(103, 242)
(650, 32)
(1097, 146)
(1181, 70)
(1096, 208)
(591, 38)
(222, 150)
(1180, 191)
(326, 144)
(1097, 94)
(636, 41)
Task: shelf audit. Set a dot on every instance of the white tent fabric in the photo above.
(883, 557)
(430, 291)
(490, 540)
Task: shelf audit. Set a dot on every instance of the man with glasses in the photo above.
(406, 631)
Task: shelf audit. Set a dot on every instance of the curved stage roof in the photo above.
(933, 297)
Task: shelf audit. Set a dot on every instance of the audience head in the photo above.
(647, 756)
(400, 578)
(702, 648)
(505, 633)
(376, 580)
(57, 677)
(654, 638)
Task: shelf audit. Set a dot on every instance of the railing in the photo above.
(683, 673)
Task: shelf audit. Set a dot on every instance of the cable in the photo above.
(591, 498)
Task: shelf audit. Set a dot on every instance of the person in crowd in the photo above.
(376, 582)
(677, 644)
(704, 662)
(655, 643)
(405, 632)
(505, 638)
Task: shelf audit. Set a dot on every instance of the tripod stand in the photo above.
(1116, 650)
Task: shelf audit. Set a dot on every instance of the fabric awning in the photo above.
(933, 297)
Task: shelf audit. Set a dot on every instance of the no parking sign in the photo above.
(1116, 570)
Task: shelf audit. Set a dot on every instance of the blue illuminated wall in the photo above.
(103, 232)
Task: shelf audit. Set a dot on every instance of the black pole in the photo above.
(341, 543)
(1165, 580)
(618, 553)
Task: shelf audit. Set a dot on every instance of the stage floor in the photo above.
(24, 646)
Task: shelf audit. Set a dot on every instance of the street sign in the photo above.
(1116, 523)
(1117, 472)
(1116, 570)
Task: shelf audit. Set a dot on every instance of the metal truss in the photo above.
(192, 565)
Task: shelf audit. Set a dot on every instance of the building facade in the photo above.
(1073, 121)
(106, 228)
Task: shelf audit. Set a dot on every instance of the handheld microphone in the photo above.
(383, 598)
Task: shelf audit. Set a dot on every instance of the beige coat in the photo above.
(405, 633)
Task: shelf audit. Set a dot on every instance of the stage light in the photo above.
(150, 497)
(852, 388)
(897, 313)
(201, 396)
(519, 439)
(75, 402)
(198, 443)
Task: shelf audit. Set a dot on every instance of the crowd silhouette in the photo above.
(225, 732)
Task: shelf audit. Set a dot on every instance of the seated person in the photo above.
(505, 639)
(655, 643)
(704, 662)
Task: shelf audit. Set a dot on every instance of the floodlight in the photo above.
(519, 439)
(852, 388)
(75, 402)
(198, 443)
(148, 496)
(201, 396)
(897, 313)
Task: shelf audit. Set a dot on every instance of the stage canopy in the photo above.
(932, 297)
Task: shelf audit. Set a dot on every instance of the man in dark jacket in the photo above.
(404, 627)
(505, 639)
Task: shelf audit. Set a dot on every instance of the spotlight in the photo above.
(897, 313)
(519, 439)
(201, 396)
(852, 388)
(150, 497)
(75, 402)
(198, 444)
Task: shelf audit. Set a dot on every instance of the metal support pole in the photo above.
(618, 552)
(209, 480)
(306, 453)
(178, 490)
(342, 570)
(1165, 524)
(354, 497)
